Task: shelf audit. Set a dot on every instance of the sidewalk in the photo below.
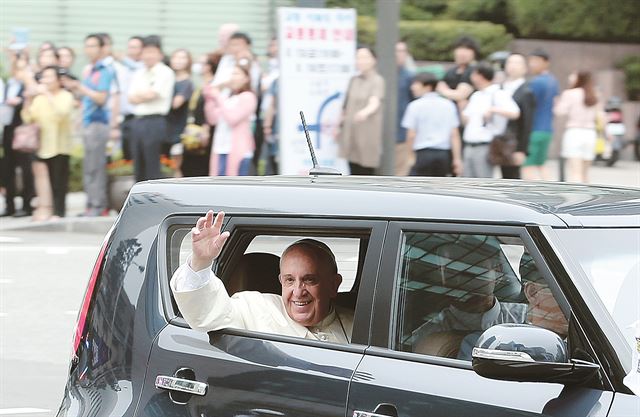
(624, 173)
(76, 203)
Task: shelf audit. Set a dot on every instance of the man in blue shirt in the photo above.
(94, 89)
(432, 130)
(545, 88)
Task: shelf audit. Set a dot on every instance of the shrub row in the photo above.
(433, 40)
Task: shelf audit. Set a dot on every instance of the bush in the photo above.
(75, 169)
(631, 67)
(433, 40)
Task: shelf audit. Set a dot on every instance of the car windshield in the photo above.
(611, 260)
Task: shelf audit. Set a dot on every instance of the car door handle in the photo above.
(358, 413)
(188, 386)
(389, 410)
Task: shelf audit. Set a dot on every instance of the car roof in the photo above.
(410, 198)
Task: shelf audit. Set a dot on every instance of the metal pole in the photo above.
(561, 169)
(388, 14)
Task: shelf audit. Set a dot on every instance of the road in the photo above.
(43, 277)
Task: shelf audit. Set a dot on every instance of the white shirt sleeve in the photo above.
(505, 102)
(409, 119)
(186, 279)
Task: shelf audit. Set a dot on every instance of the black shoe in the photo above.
(8, 213)
(21, 213)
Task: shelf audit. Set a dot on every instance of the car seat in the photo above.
(256, 271)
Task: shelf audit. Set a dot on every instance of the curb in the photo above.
(96, 225)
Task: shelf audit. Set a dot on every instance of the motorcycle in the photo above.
(611, 139)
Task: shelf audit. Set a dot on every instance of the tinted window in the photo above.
(454, 286)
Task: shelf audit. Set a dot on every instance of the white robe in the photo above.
(206, 306)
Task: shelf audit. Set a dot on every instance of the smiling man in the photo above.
(308, 275)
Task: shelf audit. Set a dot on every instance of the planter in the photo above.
(118, 189)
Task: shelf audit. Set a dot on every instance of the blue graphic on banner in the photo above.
(316, 127)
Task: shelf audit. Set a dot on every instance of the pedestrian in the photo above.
(231, 112)
(545, 88)
(151, 92)
(515, 84)
(403, 151)
(125, 68)
(197, 146)
(177, 118)
(51, 111)
(456, 84)
(94, 89)
(12, 95)
(66, 58)
(485, 116)
(432, 130)
(360, 140)
(581, 105)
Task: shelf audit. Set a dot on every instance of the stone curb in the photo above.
(96, 225)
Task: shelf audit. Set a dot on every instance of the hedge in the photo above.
(433, 40)
(631, 67)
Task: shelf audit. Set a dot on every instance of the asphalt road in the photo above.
(43, 276)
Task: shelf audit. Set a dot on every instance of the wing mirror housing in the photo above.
(525, 353)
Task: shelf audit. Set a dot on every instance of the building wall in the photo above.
(190, 24)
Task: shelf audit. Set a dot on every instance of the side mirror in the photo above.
(525, 353)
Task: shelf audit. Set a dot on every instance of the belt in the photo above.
(474, 144)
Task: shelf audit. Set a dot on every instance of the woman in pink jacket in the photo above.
(231, 110)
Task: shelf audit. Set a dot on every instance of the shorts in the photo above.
(538, 148)
(579, 143)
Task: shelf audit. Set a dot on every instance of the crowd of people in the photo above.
(217, 115)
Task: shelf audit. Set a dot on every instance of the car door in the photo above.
(244, 373)
(419, 362)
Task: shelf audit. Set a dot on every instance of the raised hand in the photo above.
(206, 240)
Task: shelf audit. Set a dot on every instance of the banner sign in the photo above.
(317, 59)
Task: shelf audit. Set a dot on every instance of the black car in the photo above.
(134, 355)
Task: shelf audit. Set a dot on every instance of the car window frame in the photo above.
(383, 335)
(364, 306)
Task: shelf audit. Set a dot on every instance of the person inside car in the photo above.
(454, 331)
(308, 275)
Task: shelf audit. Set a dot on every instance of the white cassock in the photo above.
(206, 306)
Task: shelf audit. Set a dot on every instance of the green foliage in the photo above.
(588, 20)
(433, 40)
(75, 169)
(631, 67)
(596, 20)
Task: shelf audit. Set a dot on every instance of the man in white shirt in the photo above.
(485, 116)
(309, 278)
(125, 68)
(151, 92)
(432, 130)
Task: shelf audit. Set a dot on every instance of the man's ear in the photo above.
(338, 281)
(530, 291)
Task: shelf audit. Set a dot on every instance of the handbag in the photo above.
(502, 148)
(26, 138)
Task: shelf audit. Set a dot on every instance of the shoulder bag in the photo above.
(26, 138)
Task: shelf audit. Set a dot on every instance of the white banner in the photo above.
(317, 59)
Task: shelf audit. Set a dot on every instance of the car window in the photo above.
(454, 286)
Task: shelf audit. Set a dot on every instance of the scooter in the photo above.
(614, 131)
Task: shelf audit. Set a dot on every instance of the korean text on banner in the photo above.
(317, 59)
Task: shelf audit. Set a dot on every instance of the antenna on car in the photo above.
(316, 170)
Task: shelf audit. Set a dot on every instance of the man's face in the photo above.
(107, 49)
(308, 286)
(463, 55)
(537, 65)
(237, 47)
(515, 66)
(418, 89)
(151, 56)
(92, 49)
(134, 49)
(401, 54)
